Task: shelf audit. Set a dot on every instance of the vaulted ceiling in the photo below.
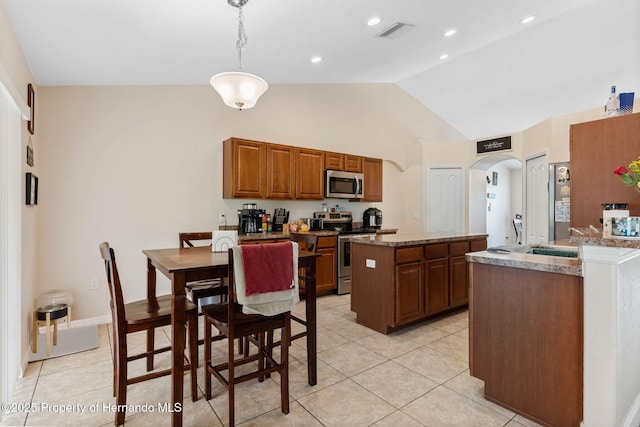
(500, 75)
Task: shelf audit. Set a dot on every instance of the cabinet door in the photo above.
(309, 174)
(352, 163)
(334, 161)
(372, 170)
(437, 285)
(280, 172)
(326, 269)
(244, 170)
(458, 286)
(409, 292)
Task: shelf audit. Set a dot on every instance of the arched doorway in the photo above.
(495, 198)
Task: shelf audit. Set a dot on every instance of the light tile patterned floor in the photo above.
(414, 377)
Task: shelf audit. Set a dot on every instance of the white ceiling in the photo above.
(501, 76)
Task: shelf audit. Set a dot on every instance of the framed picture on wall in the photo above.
(32, 189)
(31, 102)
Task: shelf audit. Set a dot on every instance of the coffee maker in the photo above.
(250, 220)
(372, 218)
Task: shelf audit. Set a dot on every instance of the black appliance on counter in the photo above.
(372, 218)
(250, 220)
(280, 216)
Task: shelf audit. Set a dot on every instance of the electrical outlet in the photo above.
(221, 218)
(94, 285)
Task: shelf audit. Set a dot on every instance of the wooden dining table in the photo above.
(182, 265)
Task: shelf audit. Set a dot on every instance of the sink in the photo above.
(551, 251)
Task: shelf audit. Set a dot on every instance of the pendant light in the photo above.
(238, 89)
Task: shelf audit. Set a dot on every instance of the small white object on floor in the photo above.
(72, 340)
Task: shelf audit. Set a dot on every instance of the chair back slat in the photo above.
(115, 287)
(310, 241)
(187, 239)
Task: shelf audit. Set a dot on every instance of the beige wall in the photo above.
(17, 69)
(136, 165)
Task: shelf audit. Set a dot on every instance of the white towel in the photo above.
(268, 304)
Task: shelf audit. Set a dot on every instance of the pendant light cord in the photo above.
(242, 37)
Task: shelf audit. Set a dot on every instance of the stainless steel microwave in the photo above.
(344, 185)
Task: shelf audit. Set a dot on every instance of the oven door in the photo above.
(344, 256)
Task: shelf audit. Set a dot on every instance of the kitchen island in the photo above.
(400, 279)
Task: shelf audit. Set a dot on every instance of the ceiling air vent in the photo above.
(395, 30)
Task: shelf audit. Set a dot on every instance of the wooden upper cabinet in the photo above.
(352, 163)
(372, 170)
(596, 149)
(244, 169)
(334, 161)
(309, 174)
(342, 162)
(261, 170)
(281, 172)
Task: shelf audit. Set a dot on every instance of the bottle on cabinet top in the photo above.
(612, 108)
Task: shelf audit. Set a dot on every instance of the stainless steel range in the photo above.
(342, 222)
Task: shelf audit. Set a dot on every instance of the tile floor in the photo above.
(414, 377)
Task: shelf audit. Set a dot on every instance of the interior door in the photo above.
(445, 199)
(536, 220)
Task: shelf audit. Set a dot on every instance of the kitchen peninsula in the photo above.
(556, 339)
(400, 279)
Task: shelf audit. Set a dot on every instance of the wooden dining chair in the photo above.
(230, 319)
(144, 315)
(308, 242)
(206, 288)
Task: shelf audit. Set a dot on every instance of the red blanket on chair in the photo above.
(268, 267)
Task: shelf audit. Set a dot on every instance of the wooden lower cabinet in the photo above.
(437, 283)
(395, 286)
(410, 292)
(458, 281)
(327, 265)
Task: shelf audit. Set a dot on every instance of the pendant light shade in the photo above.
(239, 90)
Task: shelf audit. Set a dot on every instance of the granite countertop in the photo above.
(551, 264)
(590, 237)
(412, 239)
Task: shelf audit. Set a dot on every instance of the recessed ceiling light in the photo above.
(528, 19)
(443, 56)
(373, 21)
(450, 32)
(316, 59)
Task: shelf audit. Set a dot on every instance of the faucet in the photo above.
(576, 230)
